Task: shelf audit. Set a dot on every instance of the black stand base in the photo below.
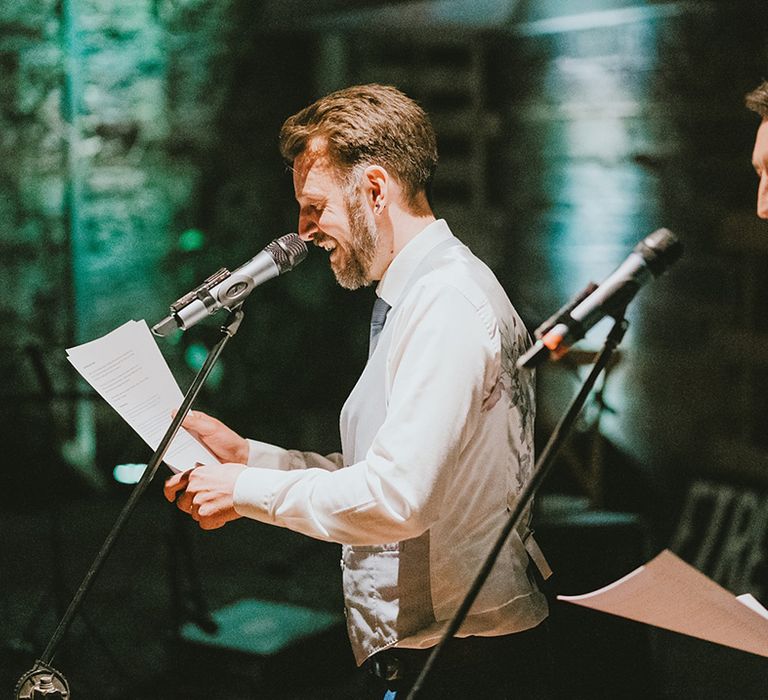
(42, 682)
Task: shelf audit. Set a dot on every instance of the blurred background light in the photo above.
(191, 240)
(128, 473)
(195, 355)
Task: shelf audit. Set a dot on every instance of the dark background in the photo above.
(138, 155)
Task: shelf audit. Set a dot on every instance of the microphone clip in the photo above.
(203, 292)
(563, 314)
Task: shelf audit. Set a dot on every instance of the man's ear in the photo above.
(377, 187)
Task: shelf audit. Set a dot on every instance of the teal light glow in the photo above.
(601, 18)
(191, 240)
(128, 473)
(195, 355)
(596, 127)
(261, 627)
(174, 338)
(604, 200)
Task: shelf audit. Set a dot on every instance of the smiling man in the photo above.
(436, 437)
(757, 101)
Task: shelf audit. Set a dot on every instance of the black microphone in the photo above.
(652, 256)
(225, 289)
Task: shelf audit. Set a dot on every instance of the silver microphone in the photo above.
(225, 289)
(649, 259)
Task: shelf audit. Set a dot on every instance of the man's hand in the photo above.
(206, 493)
(225, 443)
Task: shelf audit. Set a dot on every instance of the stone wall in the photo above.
(132, 144)
(34, 273)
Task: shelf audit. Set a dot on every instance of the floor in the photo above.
(164, 574)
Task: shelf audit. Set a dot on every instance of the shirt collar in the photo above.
(396, 277)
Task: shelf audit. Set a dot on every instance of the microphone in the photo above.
(652, 256)
(225, 289)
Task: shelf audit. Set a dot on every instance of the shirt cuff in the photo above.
(266, 456)
(255, 491)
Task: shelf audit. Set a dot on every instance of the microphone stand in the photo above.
(540, 470)
(43, 681)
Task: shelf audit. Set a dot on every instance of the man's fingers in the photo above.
(205, 493)
(174, 484)
(212, 524)
(222, 441)
(184, 502)
(197, 422)
(200, 423)
(188, 498)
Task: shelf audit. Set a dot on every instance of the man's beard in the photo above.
(354, 266)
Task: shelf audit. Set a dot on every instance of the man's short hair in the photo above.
(367, 125)
(757, 100)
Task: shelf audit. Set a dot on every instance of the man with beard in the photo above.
(757, 101)
(437, 435)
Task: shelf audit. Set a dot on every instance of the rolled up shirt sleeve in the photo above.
(266, 456)
(442, 363)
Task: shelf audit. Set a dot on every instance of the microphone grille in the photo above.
(660, 249)
(287, 251)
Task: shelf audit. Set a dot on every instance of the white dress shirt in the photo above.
(437, 440)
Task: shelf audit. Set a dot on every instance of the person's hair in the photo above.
(367, 125)
(757, 100)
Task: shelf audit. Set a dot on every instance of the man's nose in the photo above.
(307, 228)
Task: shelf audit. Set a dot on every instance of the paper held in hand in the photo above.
(128, 371)
(671, 594)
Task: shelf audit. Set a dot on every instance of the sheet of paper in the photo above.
(671, 594)
(753, 604)
(128, 371)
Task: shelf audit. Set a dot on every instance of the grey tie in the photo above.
(378, 316)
